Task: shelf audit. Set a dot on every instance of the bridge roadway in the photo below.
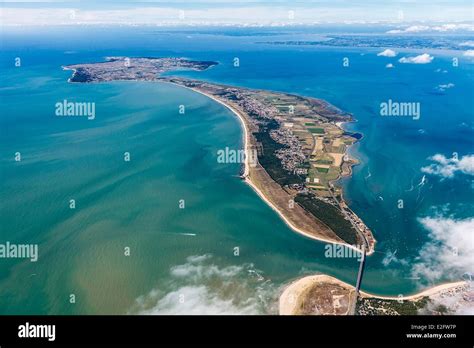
(352, 305)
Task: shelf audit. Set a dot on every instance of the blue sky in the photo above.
(270, 12)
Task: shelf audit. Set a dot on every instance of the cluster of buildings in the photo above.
(301, 188)
(129, 68)
(253, 106)
(292, 156)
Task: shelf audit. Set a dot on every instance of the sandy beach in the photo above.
(428, 292)
(294, 293)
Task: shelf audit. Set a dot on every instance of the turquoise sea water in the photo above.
(184, 260)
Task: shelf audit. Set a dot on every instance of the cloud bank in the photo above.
(247, 12)
(435, 28)
(449, 252)
(199, 287)
(387, 53)
(424, 58)
(467, 44)
(448, 167)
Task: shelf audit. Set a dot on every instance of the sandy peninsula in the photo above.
(325, 295)
(333, 296)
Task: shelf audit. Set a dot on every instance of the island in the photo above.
(134, 69)
(325, 295)
(295, 146)
(432, 42)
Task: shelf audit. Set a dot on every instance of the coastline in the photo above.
(248, 180)
(69, 69)
(293, 293)
(427, 292)
(355, 161)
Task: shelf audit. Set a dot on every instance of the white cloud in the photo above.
(416, 28)
(453, 27)
(449, 252)
(244, 14)
(424, 58)
(467, 44)
(454, 303)
(226, 12)
(387, 53)
(469, 53)
(200, 287)
(389, 66)
(447, 167)
(438, 28)
(198, 300)
(411, 29)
